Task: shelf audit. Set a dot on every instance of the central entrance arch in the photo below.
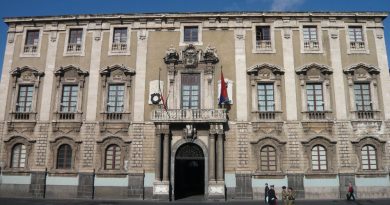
(189, 171)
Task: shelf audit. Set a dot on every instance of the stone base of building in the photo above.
(161, 190)
(216, 191)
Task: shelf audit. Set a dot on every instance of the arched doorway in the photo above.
(189, 171)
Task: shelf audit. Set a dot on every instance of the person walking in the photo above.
(266, 190)
(350, 194)
(284, 195)
(290, 196)
(272, 196)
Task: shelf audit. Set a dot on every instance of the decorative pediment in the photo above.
(368, 140)
(314, 69)
(70, 70)
(265, 68)
(362, 68)
(27, 73)
(117, 69)
(318, 140)
(268, 140)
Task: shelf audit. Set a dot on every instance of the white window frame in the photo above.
(82, 51)
(272, 35)
(365, 39)
(319, 38)
(200, 29)
(127, 52)
(36, 54)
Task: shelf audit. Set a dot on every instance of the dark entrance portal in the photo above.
(189, 171)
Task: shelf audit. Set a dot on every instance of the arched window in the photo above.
(19, 156)
(113, 157)
(369, 157)
(318, 158)
(268, 158)
(64, 157)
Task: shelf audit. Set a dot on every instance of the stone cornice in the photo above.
(205, 15)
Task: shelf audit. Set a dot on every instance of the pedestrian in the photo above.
(284, 195)
(350, 193)
(291, 196)
(266, 190)
(272, 196)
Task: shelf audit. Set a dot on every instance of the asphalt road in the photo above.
(24, 201)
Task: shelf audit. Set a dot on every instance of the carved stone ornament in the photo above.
(190, 131)
(358, 68)
(190, 56)
(171, 55)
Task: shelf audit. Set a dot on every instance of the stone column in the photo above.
(158, 157)
(166, 158)
(220, 157)
(212, 157)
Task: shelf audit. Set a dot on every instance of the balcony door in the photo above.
(190, 91)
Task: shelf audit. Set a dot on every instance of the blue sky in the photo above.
(11, 8)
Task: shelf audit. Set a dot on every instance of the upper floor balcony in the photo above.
(267, 116)
(366, 115)
(189, 115)
(317, 116)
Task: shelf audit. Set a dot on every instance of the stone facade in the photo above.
(145, 121)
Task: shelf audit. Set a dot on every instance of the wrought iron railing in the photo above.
(357, 45)
(30, 49)
(194, 115)
(263, 45)
(311, 45)
(73, 48)
(119, 47)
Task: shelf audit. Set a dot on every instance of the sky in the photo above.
(13, 8)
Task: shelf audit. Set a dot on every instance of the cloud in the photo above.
(283, 5)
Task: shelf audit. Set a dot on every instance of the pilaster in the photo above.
(380, 45)
(288, 63)
(47, 93)
(139, 91)
(241, 78)
(93, 84)
(5, 76)
(338, 76)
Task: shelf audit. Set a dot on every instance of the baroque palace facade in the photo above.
(81, 114)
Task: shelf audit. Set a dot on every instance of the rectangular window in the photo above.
(32, 40)
(363, 97)
(315, 100)
(25, 96)
(69, 98)
(75, 40)
(310, 37)
(115, 100)
(263, 38)
(265, 96)
(119, 40)
(356, 37)
(190, 91)
(191, 34)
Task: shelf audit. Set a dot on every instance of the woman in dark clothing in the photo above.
(272, 196)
